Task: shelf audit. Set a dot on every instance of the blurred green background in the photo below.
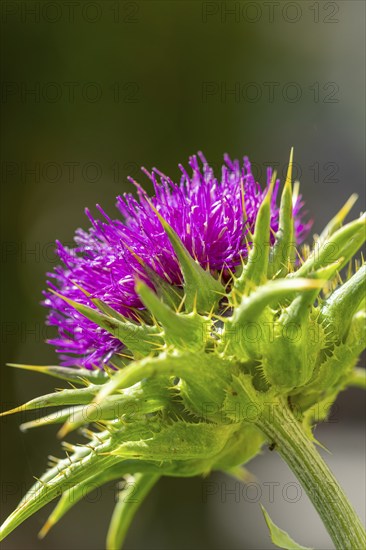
(90, 92)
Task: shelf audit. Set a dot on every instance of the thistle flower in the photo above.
(213, 219)
(231, 338)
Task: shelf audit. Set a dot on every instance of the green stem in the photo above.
(340, 519)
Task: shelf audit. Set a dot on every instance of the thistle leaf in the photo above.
(279, 537)
(245, 444)
(298, 311)
(72, 496)
(248, 313)
(186, 441)
(140, 339)
(343, 303)
(336, 368)
(180, 330)
(127, 506)
(352, 248)
(252, 306)
(203, 378)
(142, 398)
(72, 470)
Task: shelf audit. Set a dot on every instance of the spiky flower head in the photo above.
(205, 309)
(213, 219)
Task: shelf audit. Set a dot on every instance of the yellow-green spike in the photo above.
(283, 251)
(341, 244)
(336, 222)
(78, 375)
(255, 270)
(64, 397)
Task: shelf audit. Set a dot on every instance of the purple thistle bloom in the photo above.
(208, 216)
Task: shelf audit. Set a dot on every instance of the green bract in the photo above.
(203, 370)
